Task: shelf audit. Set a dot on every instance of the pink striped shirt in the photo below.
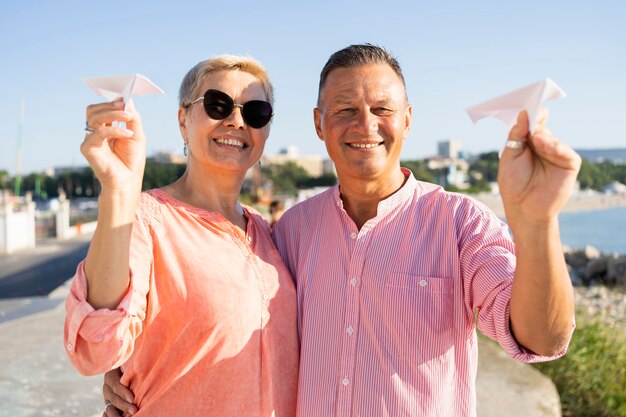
(386, 313)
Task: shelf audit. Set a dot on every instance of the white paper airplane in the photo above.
(122, 86)
(506, 107)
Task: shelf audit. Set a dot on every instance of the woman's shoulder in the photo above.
(149, 208)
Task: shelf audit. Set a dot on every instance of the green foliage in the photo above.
(288, 178)
(591, 377)
(325, 180)
(285, 178)
(420, 170)
(596, 176)
(487, 165)
(158, 174)
(4, 179)
(482, 172)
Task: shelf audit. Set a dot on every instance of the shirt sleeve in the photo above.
(100, 340)
(488, 262)
(285, 237)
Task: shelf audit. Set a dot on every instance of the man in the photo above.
(392, 273)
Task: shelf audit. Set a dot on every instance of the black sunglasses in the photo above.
(219, 105)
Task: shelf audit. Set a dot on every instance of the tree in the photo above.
(286, 178)
(420, 170)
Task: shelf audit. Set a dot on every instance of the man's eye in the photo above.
(382, 111)
(347, 110)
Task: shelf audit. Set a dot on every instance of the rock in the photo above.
(580, 258)
(616, 271)
(597, 267)
(574, 276)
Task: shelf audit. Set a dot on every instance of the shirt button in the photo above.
(265, 297)
(353, 235)
(350, 330)
(423, 283)
(353, 282)
(345, 381)
(70, 346)
(249, 238)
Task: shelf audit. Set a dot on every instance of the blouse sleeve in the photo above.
(99, 340)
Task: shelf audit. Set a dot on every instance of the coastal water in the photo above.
(602, 229)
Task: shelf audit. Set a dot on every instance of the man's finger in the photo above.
(542, 119)
(118, 394)
(111, 411)
(555, 152)
(117, 402)
(520, 130)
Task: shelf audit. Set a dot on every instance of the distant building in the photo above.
(164, 157)
(617, 155)
(314, 165)
(56, 171)
(452, 168)
(615, 187)
(450, 171)
(449, 148)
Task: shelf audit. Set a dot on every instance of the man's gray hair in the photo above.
(357, 55)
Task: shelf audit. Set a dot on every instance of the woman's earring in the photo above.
(185, 149)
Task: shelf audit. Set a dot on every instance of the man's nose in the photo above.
(367, 123)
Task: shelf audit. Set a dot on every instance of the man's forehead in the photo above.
(378, 82)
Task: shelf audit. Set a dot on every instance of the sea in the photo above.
(603, 229)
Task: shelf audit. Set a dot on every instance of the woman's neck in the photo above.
(210, 191)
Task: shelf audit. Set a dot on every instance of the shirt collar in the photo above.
(398, 198)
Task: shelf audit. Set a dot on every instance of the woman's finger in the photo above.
(105, 114)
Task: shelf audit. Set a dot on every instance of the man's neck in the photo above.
(361, 196)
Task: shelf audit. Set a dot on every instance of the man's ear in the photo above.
(317, 119)
(407, 119)
(182, 122)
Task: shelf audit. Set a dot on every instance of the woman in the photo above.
(182, 286)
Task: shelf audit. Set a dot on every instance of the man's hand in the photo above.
(119, 396)
(536, 181)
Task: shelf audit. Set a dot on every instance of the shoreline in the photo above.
(576, 203)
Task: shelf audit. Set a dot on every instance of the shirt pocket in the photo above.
(418, 317)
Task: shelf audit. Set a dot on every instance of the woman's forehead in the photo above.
(233, 82)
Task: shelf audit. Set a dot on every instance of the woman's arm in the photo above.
(117, 156)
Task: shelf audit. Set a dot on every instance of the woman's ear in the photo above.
(182, 122)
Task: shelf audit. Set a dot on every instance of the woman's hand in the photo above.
(116, 154)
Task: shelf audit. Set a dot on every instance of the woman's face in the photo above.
(228, 144)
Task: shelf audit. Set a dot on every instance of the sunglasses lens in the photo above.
(218, 105)
(257, 113)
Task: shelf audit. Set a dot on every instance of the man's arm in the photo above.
(535, 183)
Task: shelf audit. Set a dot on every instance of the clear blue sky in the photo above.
(454, 54)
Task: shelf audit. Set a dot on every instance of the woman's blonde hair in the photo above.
(188, 91)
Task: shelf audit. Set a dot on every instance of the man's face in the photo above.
(363, 118)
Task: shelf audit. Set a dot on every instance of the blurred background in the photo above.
(454, 54)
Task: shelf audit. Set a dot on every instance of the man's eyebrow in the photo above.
(342, 98)
(346, 98)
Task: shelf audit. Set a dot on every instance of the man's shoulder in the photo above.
(435, 195)
(309, 209)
